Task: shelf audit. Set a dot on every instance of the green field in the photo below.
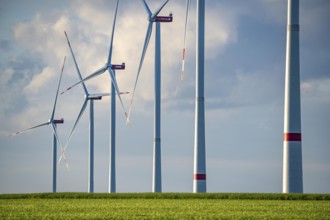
(164, 206)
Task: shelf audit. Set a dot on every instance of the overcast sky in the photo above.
(244, 94)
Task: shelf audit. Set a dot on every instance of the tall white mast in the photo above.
(54, 161)
(157, 168)
(91, 147)
(292, 153)
(199, 146)
(112, 159)
(157, 171)
(112, 147)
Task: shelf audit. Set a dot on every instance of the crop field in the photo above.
(164, 206)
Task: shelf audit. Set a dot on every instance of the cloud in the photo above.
(13, 79)
(221, 28)
(43, 36)
(40, 81)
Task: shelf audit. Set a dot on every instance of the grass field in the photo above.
(164, 206)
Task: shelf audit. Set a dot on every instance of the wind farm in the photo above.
(218, 129)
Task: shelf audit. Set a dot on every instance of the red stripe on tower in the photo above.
(199, 176)
(292, 136)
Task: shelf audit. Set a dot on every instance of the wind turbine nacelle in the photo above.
(59, 121)
(118, 66)
(164, 18)
(95, 97)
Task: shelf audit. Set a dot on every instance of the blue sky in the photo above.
(244, 94)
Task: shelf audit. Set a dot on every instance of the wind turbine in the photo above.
(114, 90)
(153, 17)
(53, 122)
(292, 150)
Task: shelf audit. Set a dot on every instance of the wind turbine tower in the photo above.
(292, 153)
(112, 156)
(91, 143)
(56, 121)
(157, 177)
(199, 142)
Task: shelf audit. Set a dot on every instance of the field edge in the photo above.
(236, 196)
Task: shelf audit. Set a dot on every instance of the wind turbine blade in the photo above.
(147, 8)
(82, 110)
(154, 15)
(59, 142)
(104, 94)
(58, 88)
(124, 93)
(112, 35)
(99, 94)
(96, 73)
(64, 158)
(184, 38)
(114, 82)
(29, 129)
(75, 62)
(145, 47)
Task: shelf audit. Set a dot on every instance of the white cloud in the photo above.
(221, 29)
(40, 81)
(32, 116)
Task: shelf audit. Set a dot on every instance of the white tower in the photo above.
(292, 153)
(112, 147)
(157, 170)
(112, 150)
(199, 148)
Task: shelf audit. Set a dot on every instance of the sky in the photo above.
(244, 94)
